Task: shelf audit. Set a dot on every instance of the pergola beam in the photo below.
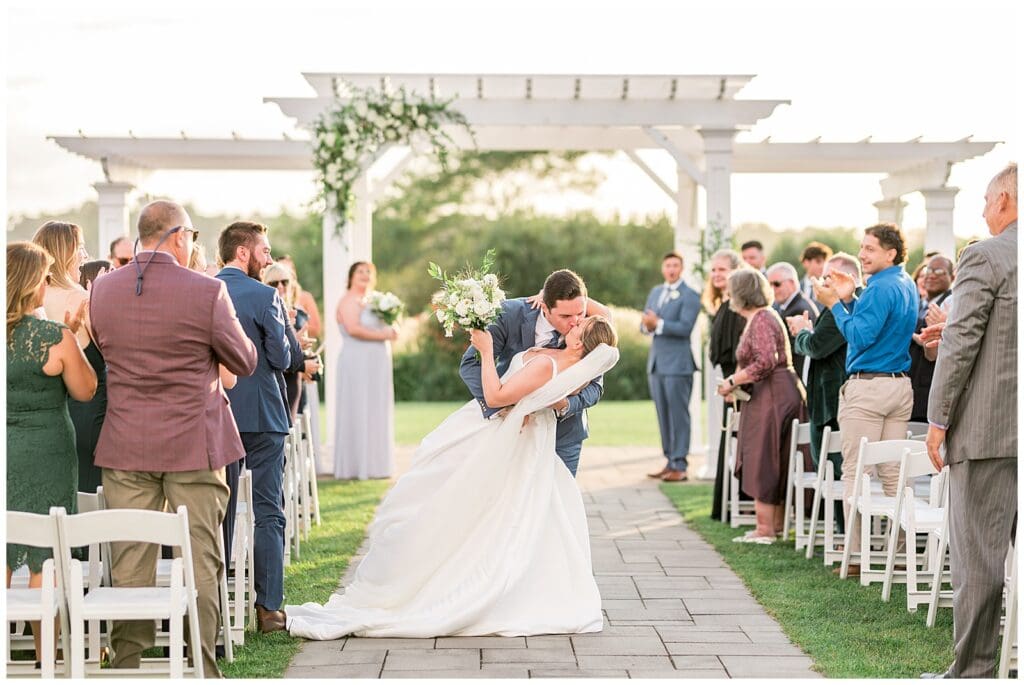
(652, 173)
(591, 112)
(683, 160)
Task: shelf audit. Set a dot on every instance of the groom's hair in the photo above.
(563, 285)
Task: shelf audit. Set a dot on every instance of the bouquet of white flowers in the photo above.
(471, 298)
(386, 306)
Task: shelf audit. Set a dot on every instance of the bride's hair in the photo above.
(598, 330)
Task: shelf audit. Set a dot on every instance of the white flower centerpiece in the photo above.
(351, 135)
(387, 306)
(470, 299)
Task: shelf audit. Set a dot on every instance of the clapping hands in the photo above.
(74, 322)
(798, 323)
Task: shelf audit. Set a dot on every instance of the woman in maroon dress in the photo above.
(765, 366)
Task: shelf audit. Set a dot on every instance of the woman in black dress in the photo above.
(726, 329)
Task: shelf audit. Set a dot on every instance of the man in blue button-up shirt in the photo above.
(877, 399)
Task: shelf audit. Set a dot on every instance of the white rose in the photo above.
(331, 140)
(390, 134)
(465, 321)
(361, 108)
(498, 296)
(482, 308)
(491, 280)
(440, 315)
(421, 121)
(674, 295)
(397, 108)
(348, 154)
(462, 308)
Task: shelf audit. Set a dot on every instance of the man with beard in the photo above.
(259, 407)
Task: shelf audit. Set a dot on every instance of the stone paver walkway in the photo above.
(673, 609)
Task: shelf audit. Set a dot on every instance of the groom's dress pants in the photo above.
(671, 395)
(264, 457)
(570, 456)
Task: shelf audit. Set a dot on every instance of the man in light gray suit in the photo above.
(972, 408)
(669, 315)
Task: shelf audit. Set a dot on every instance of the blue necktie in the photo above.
(553, 343)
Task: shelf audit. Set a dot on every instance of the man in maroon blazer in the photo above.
(169, 431)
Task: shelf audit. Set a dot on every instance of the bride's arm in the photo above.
(595, 308)
(521, 384)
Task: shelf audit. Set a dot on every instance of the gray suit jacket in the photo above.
(670, 353)
(974, 389)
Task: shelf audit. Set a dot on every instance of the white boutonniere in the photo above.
(674, 295)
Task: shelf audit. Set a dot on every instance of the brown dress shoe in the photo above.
(270, 621)
(674, 476)
(659, 474)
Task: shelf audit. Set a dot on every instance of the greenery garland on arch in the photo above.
(347, 138)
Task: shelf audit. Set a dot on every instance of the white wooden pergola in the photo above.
(692, 118)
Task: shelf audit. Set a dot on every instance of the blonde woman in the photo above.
(44, 366)
(280, 278)
(64, 296)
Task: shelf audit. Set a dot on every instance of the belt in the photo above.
(867, 375)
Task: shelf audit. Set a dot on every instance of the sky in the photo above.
(895, 71)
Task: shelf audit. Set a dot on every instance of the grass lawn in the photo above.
(612, 424)
(847, 629)
(346, 508)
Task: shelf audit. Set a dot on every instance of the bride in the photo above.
(486, 533)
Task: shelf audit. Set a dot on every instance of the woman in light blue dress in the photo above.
(364, 426)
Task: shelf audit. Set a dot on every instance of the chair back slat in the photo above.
(885, 451)
(128, 525)
(89, 501)
(34, 530)
(802, 432)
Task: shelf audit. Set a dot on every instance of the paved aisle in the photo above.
(672, 607)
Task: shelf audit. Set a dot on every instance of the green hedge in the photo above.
(427, 368)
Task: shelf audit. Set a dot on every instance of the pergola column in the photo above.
(938, 233)
(685, 243)
(718, 155)
(890, 210)
(112, 206)
(336, 259)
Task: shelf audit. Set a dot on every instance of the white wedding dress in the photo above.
(486, 533)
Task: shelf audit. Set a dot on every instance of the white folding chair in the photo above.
(44, 604)
(827, 491)
(304, 507)
(99, 557)
(242, 555)
(741, 512)
(173, 603)
(292, 536)
(869, 504)
(1008, 648)
(797, 480)
(312, 455)
(225, 638)
(915, 517)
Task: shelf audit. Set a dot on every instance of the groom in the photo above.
(520, 327)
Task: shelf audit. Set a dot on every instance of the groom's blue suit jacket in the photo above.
(513, 332)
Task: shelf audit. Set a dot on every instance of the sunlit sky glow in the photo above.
(891, 70)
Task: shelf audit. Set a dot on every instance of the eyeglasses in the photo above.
(186, 229)
(776, 284)
(274, 284)
(934, 272)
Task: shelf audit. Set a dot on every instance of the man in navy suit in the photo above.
(520, 327)
(669, 315)
(258, 404)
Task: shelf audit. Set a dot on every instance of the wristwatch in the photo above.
(560, 413)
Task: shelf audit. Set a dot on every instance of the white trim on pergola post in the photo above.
(692, 118)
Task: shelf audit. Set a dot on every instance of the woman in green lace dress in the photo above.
(44, 366)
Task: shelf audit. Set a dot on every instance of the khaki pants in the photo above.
(205, 495)
(876, 409)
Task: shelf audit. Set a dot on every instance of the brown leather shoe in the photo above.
(270, 621)
(674, 476)
(659, 474)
